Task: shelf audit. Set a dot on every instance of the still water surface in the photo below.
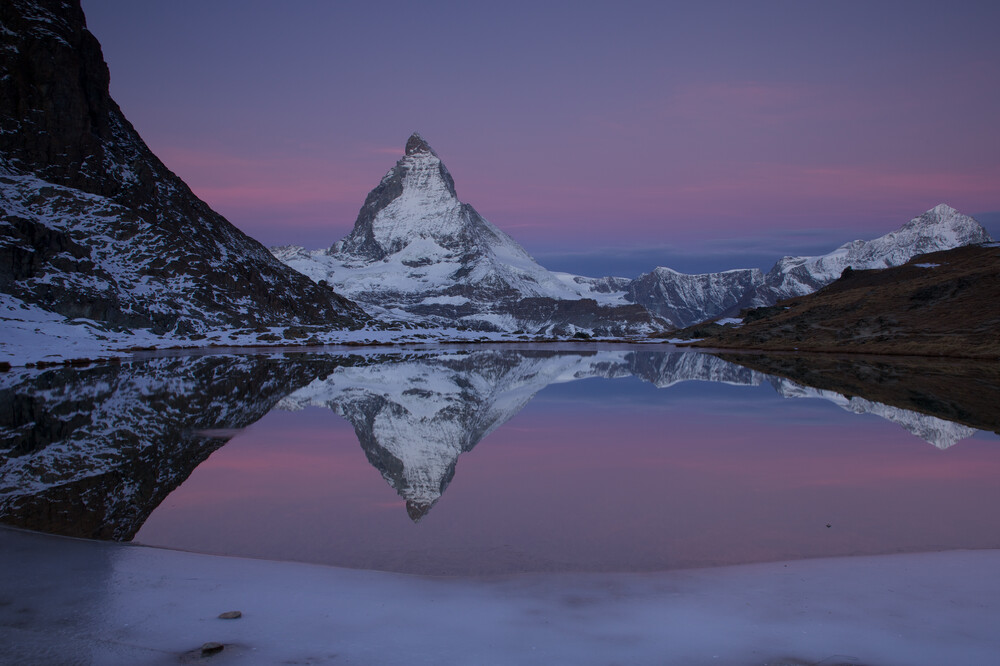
(488, 461)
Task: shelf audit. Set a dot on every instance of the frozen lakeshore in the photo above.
(68, 601)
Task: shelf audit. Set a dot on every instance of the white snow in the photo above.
(72, 601)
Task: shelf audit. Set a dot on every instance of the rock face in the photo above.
(93, 225)
(416, 252)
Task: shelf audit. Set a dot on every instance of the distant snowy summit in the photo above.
(940, 228)
(418, 254)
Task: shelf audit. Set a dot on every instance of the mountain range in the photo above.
(419, 254)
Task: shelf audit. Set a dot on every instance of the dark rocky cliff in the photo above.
(156, 255)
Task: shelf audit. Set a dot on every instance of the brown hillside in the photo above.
(939, 304)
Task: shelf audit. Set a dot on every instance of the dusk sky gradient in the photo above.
(604, 137)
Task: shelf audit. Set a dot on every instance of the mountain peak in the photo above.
(960, 229)
(417, 144)
(940, 209)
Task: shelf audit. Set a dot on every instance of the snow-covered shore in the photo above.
(66, 601)
(29, 334)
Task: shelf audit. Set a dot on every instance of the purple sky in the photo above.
(605, 137)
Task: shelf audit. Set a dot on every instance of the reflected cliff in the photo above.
(91, 452)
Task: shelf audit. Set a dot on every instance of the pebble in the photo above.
(230, 615)
(212, 648)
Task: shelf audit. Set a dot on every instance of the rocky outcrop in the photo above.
(93, 225)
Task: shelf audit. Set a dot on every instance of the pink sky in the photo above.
(715, 133)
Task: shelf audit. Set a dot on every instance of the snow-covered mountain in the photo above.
(418, 253)
(415, 414)
(684, 300)
(94, 227)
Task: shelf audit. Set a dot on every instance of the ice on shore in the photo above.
(70, 601)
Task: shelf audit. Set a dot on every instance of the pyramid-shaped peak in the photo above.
(943, 209)
(417, 144)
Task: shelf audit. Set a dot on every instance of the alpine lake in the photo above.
(499, 459)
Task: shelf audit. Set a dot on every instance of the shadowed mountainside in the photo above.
(94, 226)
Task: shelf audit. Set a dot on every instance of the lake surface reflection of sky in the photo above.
(594, 474)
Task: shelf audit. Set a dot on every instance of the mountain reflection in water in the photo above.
(91, 452)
